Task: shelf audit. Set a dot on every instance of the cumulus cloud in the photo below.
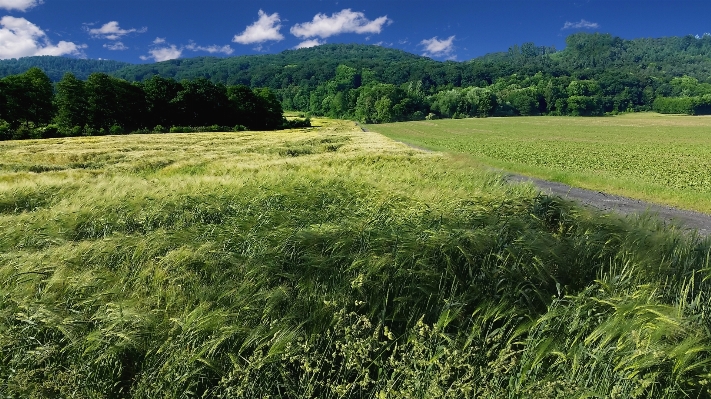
(115, 46)
(22, 5)
(582, 24)
(166, 53)
(210, 49)
(265, 29)
(112, 31)
(21, 38)
(345, 21)
(163, 51)
(309, 43)
(438, 48)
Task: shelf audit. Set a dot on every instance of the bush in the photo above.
(22, 133)
(296, 123)
(46, 132)
(76, 131)
(700, 105)
(160, 129)
(181, 129)
(116, 129)
(5, 132)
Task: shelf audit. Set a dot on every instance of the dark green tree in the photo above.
(270, 115)
(160, 93)
(243, 106)
(71, 102)
(201, 103)
(102, 102)
(28, 99)
(131, 109)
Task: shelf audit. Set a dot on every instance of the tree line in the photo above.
(31, 106)
(596, 74)
(358, 95)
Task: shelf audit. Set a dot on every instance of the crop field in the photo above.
(333, 263)
(658, 158)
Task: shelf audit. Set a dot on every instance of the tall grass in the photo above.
(329, 263)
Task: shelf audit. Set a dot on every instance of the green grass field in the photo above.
(329, 263)
(658, 158)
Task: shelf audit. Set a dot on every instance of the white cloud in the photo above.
(438, 48)
(345, 21)
(582, 24)
(112, 31)
(210, 49)
(159, 54)
(21, 5)
(163, 51)
(309, 43)
(21, 38)
(115, 46)
(265, 29)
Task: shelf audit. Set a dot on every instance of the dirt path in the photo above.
(614, 203)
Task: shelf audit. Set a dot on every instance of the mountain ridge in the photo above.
(585, 55)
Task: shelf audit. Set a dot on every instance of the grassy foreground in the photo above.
(328, 263)
(657, 158)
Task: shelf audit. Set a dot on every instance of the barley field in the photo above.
(330, 263)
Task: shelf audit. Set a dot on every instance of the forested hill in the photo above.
(586, 56)
(56, 67)
(303, 67)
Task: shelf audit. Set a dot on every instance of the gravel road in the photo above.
(626, 206)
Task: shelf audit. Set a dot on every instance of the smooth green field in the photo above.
(659, 158)
(329, 263)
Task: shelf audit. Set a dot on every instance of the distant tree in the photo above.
(201, 103)
(160, 93)
(132, 109)
(102, 101)
(28, 99)
(584, 106)
(243, 106)
(584, 98)
(383, 110)
(269, 114)
(71, 102)
(114, 102)
(524, 101)
(3, 100)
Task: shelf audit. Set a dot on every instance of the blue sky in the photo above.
(140, 31)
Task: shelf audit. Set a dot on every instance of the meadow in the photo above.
(333, 263)
(658, 158)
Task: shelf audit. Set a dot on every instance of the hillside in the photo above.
(56, 67)
(586, 55)
(309, 66)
